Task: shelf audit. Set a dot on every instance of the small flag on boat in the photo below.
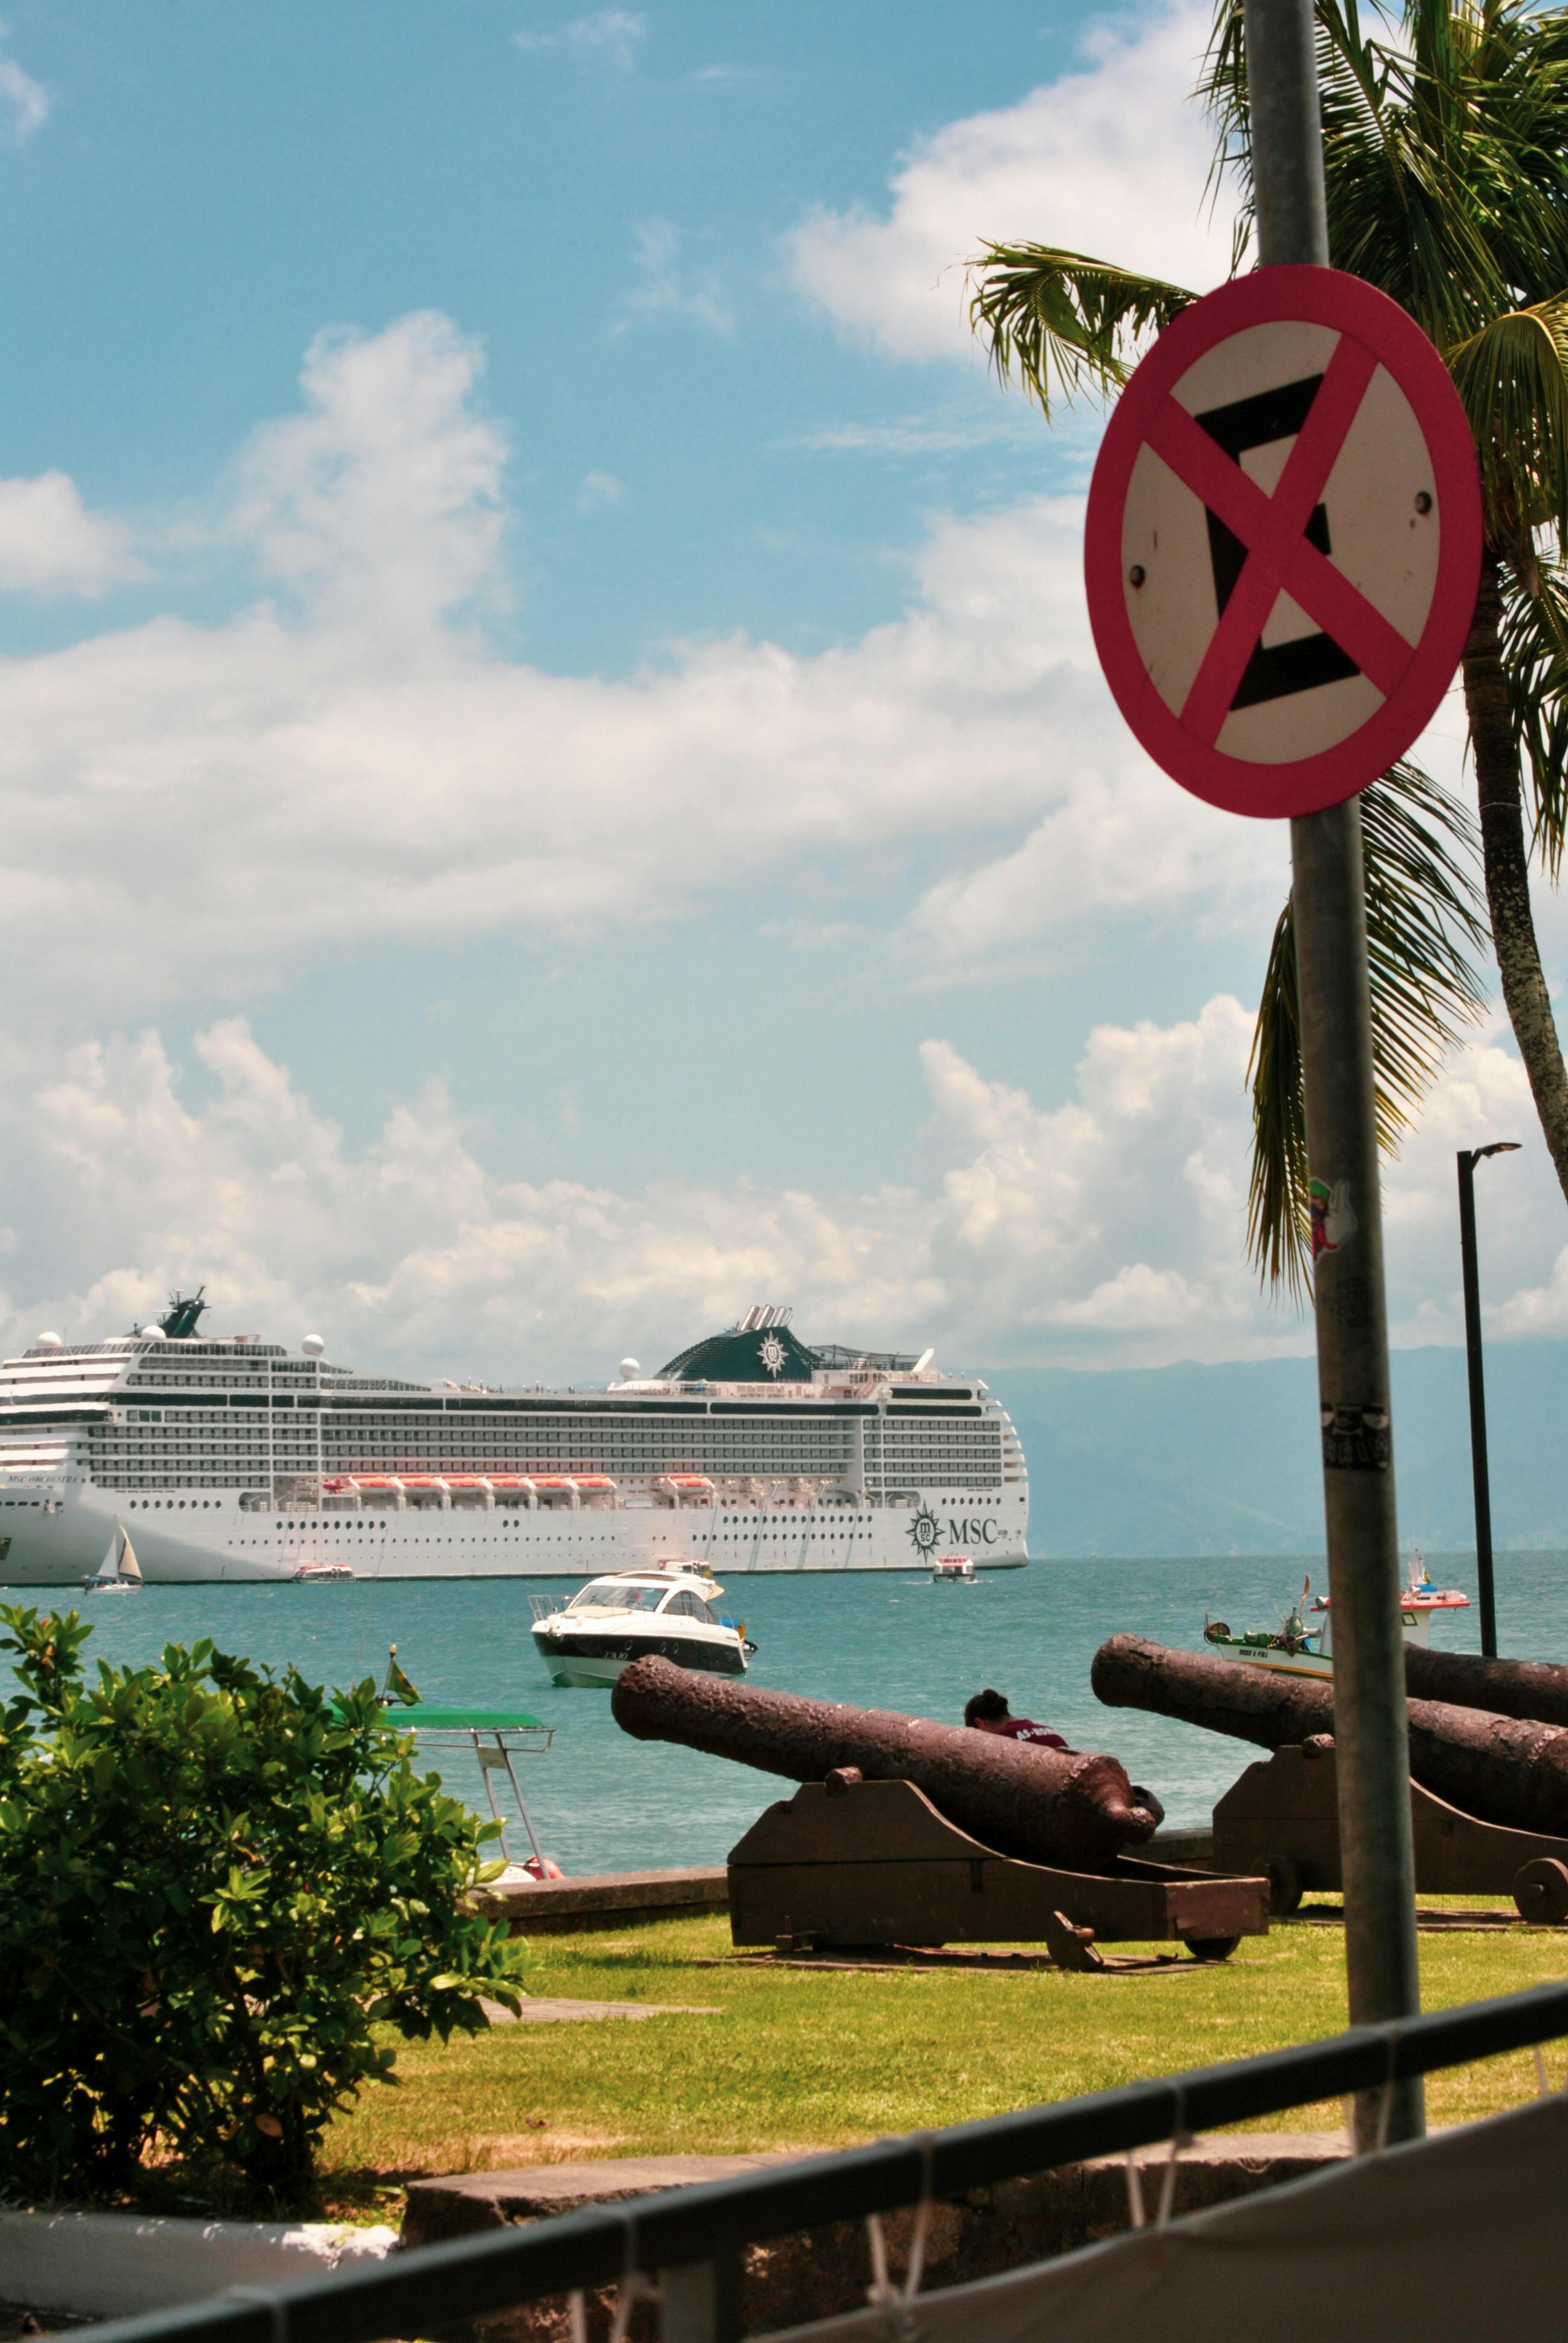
(398, 1686)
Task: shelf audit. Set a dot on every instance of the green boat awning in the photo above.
(464, 1720)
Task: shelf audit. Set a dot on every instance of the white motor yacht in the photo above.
(667, 1609)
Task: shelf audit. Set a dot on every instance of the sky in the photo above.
(555, 783)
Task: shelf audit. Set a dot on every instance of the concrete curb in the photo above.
(606, 1899)
(113, 2265)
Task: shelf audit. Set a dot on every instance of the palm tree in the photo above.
(1446, 163)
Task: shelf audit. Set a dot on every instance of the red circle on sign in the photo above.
(1373, 332)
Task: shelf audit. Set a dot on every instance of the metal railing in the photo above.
(691, 2240)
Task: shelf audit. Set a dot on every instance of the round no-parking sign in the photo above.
(1284, 541)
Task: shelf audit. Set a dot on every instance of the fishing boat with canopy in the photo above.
(495, 1738)
(1303, 1644)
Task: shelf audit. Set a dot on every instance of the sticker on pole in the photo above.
(1284, 541)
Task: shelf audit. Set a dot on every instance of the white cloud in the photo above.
(922, 435)
(51, 544)
(613, 34)
(23, 103)
(380, 504)
(1111, 160)
(1116, 1218)
(599, 489)
(665, 289)
(1120, 839)
(1482, 1096)
(1103, 1228)
(201, 809)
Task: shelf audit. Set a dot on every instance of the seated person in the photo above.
(988, 1712)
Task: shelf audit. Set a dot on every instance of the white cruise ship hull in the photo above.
(226, 1458)
(57, 1531)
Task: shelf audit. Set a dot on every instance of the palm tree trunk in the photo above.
(1507, 867)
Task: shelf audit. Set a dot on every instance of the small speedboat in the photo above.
(1303, 1644)
(120, 1572)
(667, 1609)
(316, 1574)
(952, 1570)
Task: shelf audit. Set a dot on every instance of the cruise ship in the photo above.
(232, 1458)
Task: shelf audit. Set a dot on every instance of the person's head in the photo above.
(987, 1711)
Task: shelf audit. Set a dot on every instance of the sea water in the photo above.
(604, 1803)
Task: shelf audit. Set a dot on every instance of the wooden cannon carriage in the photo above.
(863, 1864)
(1281, 1819)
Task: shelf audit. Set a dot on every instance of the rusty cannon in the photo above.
(1045, 1805)
(1488, 1793)
(1528, 1688)
(906, 1831)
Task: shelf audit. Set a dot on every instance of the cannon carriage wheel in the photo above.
(1541, 1890)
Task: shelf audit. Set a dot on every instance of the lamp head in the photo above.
(1498, 1147)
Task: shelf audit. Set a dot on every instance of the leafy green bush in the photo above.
(214, 1887)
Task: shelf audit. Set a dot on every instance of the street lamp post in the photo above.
(1467, 1158)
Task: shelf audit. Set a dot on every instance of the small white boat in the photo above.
(952, 1570)
(120, 1572)
(314, 1573)
(1304, 1644)
(666, 1609)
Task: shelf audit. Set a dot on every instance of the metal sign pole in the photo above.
(1377, 1854)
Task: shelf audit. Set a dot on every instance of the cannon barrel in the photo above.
(1528, 1688)
(1070, 1808)
(1501, 1769)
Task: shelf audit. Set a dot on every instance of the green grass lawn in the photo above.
(804, 2060)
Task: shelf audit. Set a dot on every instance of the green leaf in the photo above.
(1512, 374)
(1423, 921)
(206, 1903)
(1536, 666)
(1060, 317)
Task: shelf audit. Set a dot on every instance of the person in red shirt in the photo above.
(988, 1712)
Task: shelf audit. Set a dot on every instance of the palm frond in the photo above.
(1512, 376)
(1425, 919)
(1536, 666)
(1278, 1220)
(1061, 317)
(1445, 165)
(1425, 916)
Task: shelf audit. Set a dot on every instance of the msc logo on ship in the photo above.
(925, 1531)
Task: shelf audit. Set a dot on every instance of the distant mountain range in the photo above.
(1195, 1459)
